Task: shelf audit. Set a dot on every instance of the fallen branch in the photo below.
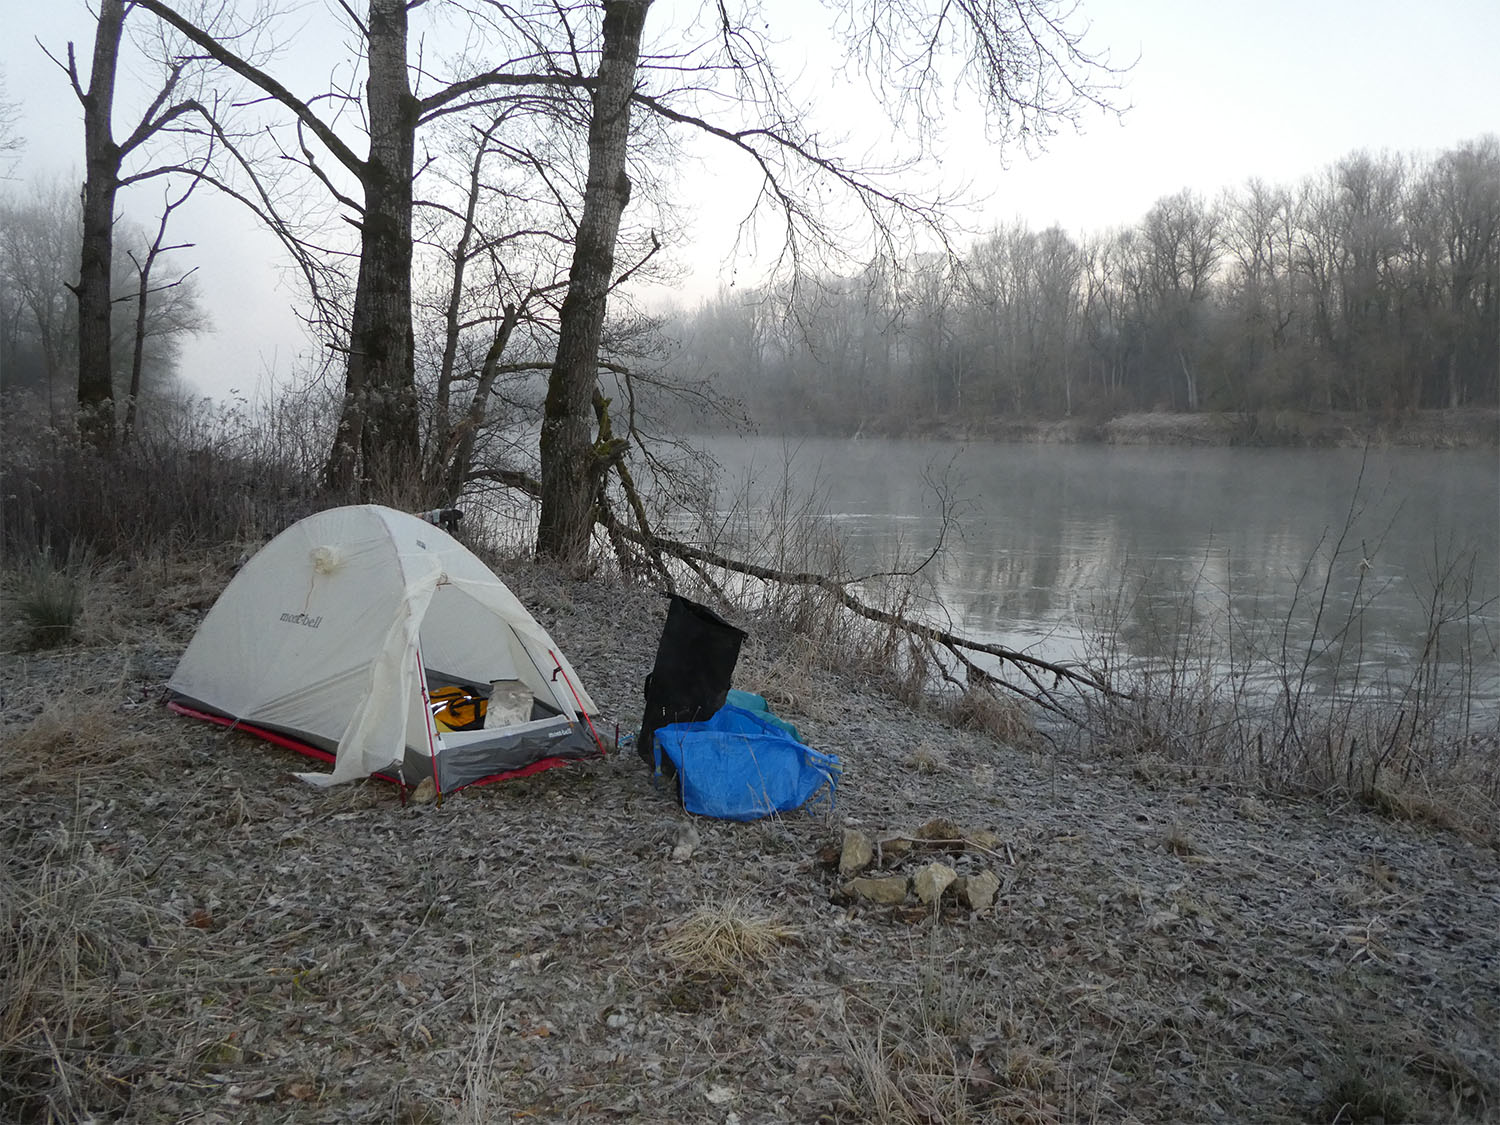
(1033, 668)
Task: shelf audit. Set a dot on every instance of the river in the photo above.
(1049, 544)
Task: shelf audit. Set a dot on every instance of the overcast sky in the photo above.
(1221, 90)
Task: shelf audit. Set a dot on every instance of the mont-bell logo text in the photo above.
(302, 619)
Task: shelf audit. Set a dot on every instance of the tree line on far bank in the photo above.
(1371, 286)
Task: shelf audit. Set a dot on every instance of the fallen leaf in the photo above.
(299, 1091)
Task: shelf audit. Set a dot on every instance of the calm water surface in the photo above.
(1051, 536)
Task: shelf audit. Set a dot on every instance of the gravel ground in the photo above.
(195, 936)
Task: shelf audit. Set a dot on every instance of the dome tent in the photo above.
(335, 636)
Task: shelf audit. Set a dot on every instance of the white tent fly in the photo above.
(344, 634)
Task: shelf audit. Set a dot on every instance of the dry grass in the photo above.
(483, 1098)
(72, 731)
(1179, 841)
(725, 939)
(954, 1050)
(195, 479)
(155, 595)
(1291, 705)
(901, 1079)
(234, 931)
(1463, 800)
(785, 674)
(47, 598)
(1003, 719)
(1376, 1071)
(926, 757)
(76, 1028)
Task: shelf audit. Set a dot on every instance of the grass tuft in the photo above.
(927, 758)
(1363, 1091)
(50, 599)
(725, 939)
(73, 730)
(1002, 719)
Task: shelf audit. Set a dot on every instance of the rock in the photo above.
(889, 891)
(684, 842)
(977, 892)
(424, 792)
(932, 881)
(856, 854)
(984, 838)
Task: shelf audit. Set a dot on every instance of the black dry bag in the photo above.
(694, 665)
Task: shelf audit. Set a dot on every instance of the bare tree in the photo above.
(11, 142)
(1260, 291)
(102, 182)
(38, 238)
(712, 77)
(39, 247)
(105, 159)
(573, 464)
(1462, 192)
(1026, 65)
(1350, 245)
(1374, 288)
(1182, 234)
(378, 437)
(144, 264)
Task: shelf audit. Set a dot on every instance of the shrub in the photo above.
(50, 599)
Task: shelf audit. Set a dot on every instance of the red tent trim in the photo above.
(290, 743)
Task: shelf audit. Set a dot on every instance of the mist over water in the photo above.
(1051, 543)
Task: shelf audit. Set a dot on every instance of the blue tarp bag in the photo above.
(739, 765)
(756, 704)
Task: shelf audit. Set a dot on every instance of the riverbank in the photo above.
(192, 934)
(1428, 429)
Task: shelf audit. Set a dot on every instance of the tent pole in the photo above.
(599, 742)
(427, 721)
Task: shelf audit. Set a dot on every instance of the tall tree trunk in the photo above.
(96, 402)
(138, 351)
(378, 429)
(571, 470)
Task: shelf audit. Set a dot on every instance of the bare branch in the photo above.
(259, 78)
